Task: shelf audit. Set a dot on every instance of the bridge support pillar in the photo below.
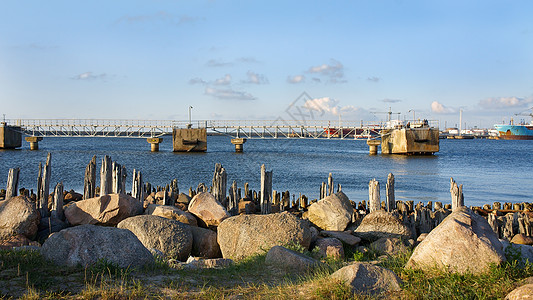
(34, 141)
(154, 143)
(238, 142)
(10, 136)
(373, 146)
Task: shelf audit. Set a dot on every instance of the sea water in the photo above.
(489, 170)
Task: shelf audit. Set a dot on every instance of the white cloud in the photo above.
(229, 94)
(197, 80)
(89, 76)
(505, 102)
(329, 106)
(334, 71)
(373, 79)
(391, 100)
(439, 108)
(218, 63)
(296, 79)
(255, 78)
(226, 80)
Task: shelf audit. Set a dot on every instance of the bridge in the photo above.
(153, 130)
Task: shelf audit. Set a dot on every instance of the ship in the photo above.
(512, 131)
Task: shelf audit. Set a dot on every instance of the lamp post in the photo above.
(412, 110)
(190, 120)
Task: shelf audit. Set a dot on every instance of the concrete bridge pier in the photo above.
(34, 141)
(373, 146)
(10, 136)
(154, 143)
(238, 142)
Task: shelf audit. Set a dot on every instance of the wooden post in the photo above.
(45, 188)
(106, 176)
(457, 194)
(266, 191)
(39, 184)
(12, 183)
(374, 199)
(390, 202)
(219, 185)
(89, 181)
(57, 205)
(116, 178)
(137, 190)
(330, 185)
(233, 203)
(201, 188)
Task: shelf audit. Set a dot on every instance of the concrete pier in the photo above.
(189, 140)
(10, 136)
(373, 146)
(154, 143)
(238, 142)
(422, 140)
(34, 141)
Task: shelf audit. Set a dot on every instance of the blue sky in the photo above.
(251, 60)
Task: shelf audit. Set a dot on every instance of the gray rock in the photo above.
(522, 253)
(171, 212)
(521, 293)
(205, 243)
(171, 237)
(86, 244)
(106, 210)
(290, 260)
(379, 224)
(183, 198)
(207, 209)
(331, 213)
(330, 247)
(343, 236)
(209, 263)
(246, 235)
(48, 226)
(389, 246)
(463, 242)
(18, 216)
(366, 278)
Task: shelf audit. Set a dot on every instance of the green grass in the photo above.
(250, 278)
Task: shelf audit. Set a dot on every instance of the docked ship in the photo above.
(512, 131)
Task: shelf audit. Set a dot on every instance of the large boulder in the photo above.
(521, 293)
(389, 246)
(331, 213)
(18, 216)
(291, 260)
(522, 253)
(344, 236)
(87, 244)
(464, 243)
(16, 241)
(380, 224)
(247, 235)
(171, 212)
(208, 209)
(171, 237)
(205, 243)
(106, 210)
(366, 278)
(330, 247)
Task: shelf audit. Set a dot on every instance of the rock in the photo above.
(48, 226)
(87, 244)
(520, 293)
(106, 210)
(343, 236)
(171, 237)
(330, 247)
(18, 216)
(379, 224)
(247, 235)
(331, 213)
(421, 237)
(72, 196)
(205, 243)
(209, 263)
(183, 198)
(389, 246)
(521, 253)
(171, 212)
(246, 207)
(16, 241)
(288, 259)
(522, 239)
(314, 234)
(463, 242)
(366, 278)
(208, 209)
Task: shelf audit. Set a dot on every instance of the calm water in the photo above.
(490, 170)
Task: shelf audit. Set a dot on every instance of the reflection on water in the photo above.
(489, 170)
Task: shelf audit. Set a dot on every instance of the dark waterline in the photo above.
(490, 170)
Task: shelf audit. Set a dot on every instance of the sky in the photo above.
(257, 60)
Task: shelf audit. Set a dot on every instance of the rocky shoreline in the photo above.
(213, 227)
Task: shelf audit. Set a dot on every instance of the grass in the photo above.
(26, 275)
